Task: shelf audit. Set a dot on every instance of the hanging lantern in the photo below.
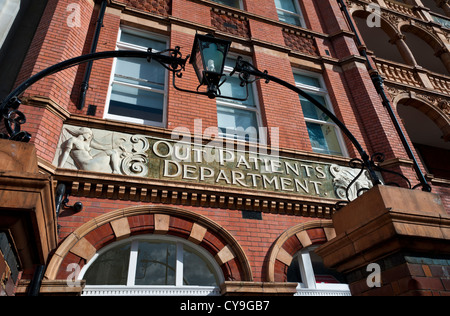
(208, 59)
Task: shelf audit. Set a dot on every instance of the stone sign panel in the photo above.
(212, 164)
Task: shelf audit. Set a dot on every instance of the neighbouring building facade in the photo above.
(143, 189)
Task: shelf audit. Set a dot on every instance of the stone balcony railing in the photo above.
(413, 77)
(402, 8)
(408, 11)
(398, 73)
(440, 83)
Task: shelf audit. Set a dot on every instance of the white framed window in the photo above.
(232, 3)
(152, 265)
(313, 278)
(289, 11)
(324, 134)
(239, 120)
(138, 90)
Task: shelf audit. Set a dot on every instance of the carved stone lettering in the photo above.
(90, 149)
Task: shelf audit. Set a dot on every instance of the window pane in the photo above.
(231, 3)
(140, 72)
(237, 123)
(307, 80)
(287, 5)
(136, 103)
(323, 274)
(230, 62)
(289, 18)
(156, 263)
(323, 139)
(293, 272)
(313, 112)
(138, 88)
(232, 88)
(111, 268)
(197, 271)
(127, 36)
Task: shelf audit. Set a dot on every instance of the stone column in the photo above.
(392, 241)
(406, 53)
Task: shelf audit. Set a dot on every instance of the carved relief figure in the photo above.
(102, 151)
(343, 176)
(79, 147)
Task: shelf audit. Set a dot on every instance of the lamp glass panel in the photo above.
(213, 56)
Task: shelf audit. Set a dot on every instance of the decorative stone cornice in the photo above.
(129, 188)
(105, 164)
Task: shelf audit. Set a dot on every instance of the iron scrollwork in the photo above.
(248, 74)
(348, 187)
(171, 59)
(14, 119)
(350, 190)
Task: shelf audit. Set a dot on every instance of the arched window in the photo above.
(427, 139)
(152, 265)
(308, 270)
(424, 51)
(378, 40)
(8, 13)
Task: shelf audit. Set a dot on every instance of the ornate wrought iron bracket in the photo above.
(248, 74)
(13, 119)
(212, 92)
(172, 60)
(375, 161)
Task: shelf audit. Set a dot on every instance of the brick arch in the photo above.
(386, 25)
(431, 39)
(80, 246)
(434, 113)
(392, 32)
(293, 240)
